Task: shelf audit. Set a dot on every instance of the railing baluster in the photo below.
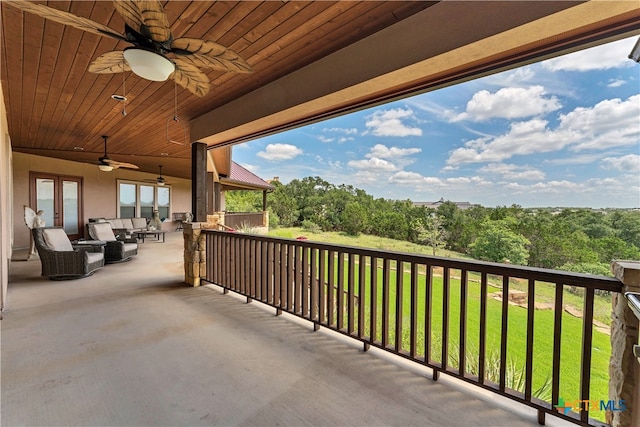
(313, 277)
(362, 275)
(304, 283)
(445, 318)
(462, 355)
(399, 308)
(531, 306)
(331, 287)
(428, 295)
(298, 284)
(340, 291)
(557, 334)
(269, 270)
(482, 339)
(386, 267)
(587, 343)
(351, 295)
(373, 301)
(322, 290)
(277, 274)
(414, 311)
(291, 276)
(504, 332)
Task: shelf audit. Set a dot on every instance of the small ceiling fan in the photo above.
(107, 165)
(147, 28)
(159, 180)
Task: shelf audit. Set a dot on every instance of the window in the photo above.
(140, 200)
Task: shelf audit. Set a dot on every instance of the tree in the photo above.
(353, 218)
(499, 244)
(431, 232)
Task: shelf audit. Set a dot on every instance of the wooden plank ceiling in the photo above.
(348, 53)
(56, 108)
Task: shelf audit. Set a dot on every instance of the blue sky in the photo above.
(563, 132)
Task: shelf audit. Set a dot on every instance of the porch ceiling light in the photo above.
(105, 168)
(148, 65)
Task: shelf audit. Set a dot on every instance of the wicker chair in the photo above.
(60, 259)
(116, 250)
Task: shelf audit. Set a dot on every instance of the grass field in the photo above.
(516, 329)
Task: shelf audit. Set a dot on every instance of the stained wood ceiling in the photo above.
(56, 108)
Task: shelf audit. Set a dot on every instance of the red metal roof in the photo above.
(244, 178)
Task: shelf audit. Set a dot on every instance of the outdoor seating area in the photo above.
(61, 260)
(115, 250)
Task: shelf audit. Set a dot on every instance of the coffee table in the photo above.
(157, 233)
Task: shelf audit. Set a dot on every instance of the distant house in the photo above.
(435, 205)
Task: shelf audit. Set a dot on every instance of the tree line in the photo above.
(580, 240)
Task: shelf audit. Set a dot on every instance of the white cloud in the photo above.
(346, 131)
(326, 139)
(381, 151)
(278, 152)
(608, 124)
(512, 172)
(372, 164)
(508, 103)
(616, 83)
(410, 178)
(344, 139)
(252, 168)
(391, 123)
(628, 164)
(604, 57)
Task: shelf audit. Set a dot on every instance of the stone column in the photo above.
(195, 254)
(624, 369)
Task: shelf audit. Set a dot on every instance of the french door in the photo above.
(60, 197)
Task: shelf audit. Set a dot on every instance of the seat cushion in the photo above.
(57, 240)
(128, 247)
(103, 231)
(139, 223)
(115, 222)
(94, 257)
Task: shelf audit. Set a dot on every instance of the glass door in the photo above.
(60, 197)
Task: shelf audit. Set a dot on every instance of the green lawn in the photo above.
(516, 328)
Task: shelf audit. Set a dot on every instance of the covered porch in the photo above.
(131, 345)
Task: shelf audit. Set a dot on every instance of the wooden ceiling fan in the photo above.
(107, 165)
(155, 54)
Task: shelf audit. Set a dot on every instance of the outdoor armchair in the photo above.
(116, 250)
(60, 259)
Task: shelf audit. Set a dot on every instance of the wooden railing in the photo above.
(240, 220)
(438, 312)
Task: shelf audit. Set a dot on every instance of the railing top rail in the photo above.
(517, 271)
(244, 213)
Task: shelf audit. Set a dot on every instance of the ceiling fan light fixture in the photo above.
(148, 64)
(105, 168)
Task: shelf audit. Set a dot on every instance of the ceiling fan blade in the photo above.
(64, 18)
(191, 78)
(116, 164)
(109, 63)
(146, 17)
(209, 54)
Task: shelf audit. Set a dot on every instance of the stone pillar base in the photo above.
(624, 369)
(195, 252)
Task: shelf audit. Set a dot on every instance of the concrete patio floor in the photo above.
(133, 346)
